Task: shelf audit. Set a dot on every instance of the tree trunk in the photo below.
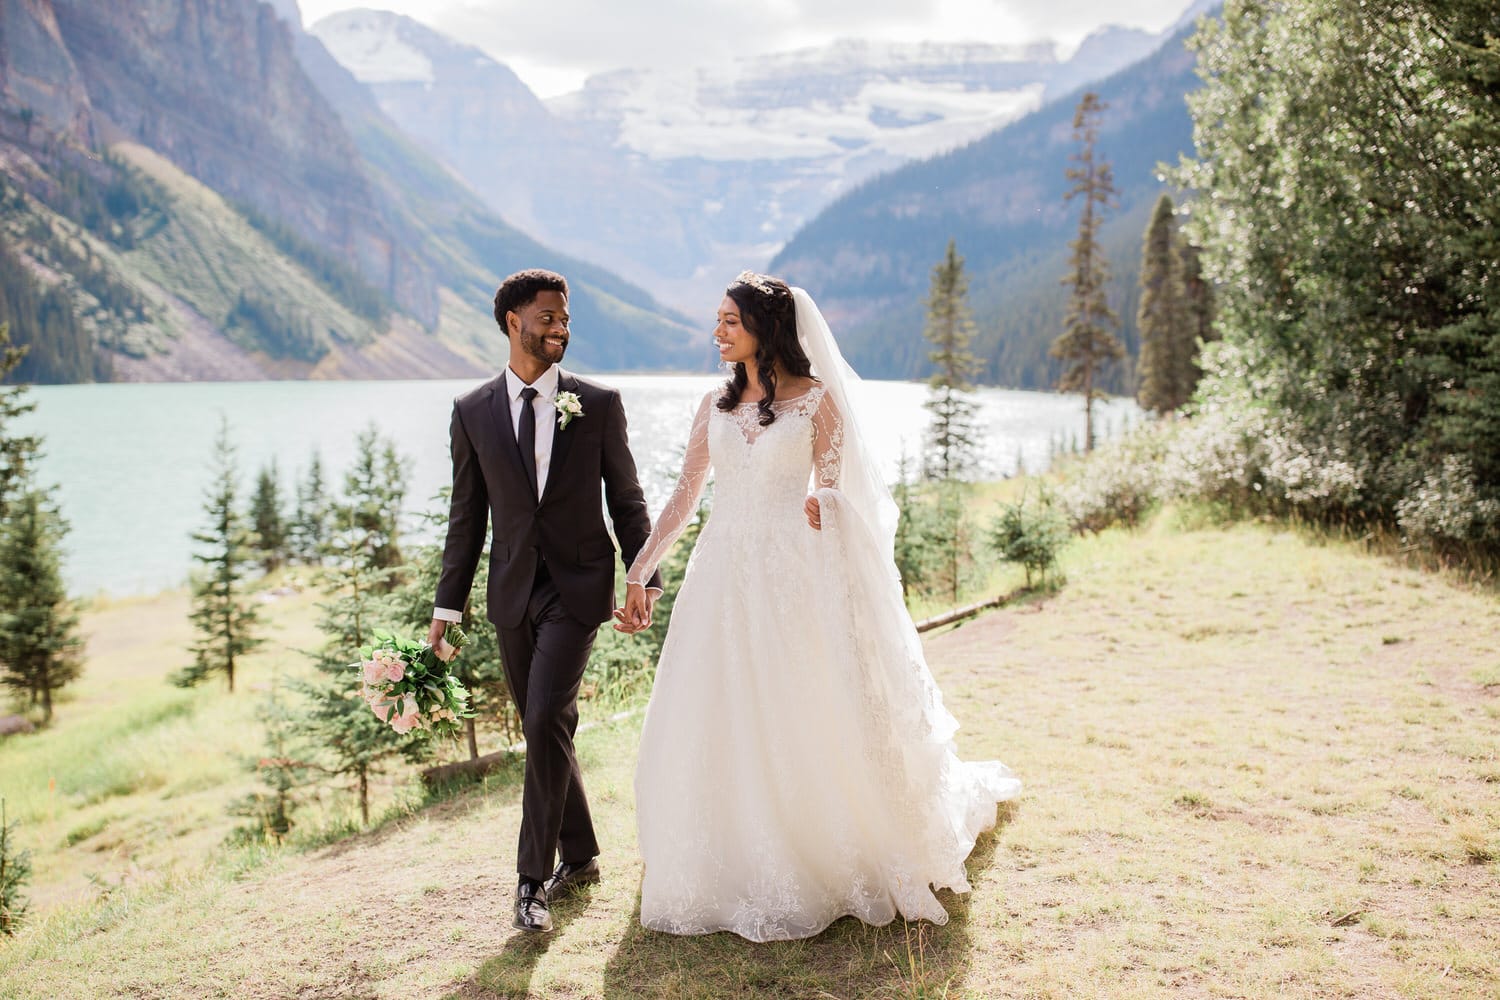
(1088, 412)
(473, 743)
(364, 795)
(472, 769)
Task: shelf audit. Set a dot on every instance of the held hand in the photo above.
(440, 646)
(635, 616)
(814, 511)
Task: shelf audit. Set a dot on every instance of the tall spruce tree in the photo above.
(223, 617)
(1087, 342)
(362, 562)
(1197, 300)
(267, 523)
(309, 530)
(344, 736)
(370, 510)
(478, 667)
(952, 437)
(1161, 319)
(17, 451)
(40, 649)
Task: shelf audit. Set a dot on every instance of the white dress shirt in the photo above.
(546, 417)
(546, 424)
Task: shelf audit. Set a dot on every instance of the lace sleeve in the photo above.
(682, 504)
(828, 443)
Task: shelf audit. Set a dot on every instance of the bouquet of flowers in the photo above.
(408, 686)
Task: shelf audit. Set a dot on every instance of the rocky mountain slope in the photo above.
(678, 176)
(182, 200)
(868, 257)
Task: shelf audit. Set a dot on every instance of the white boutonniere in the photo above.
(568, 406)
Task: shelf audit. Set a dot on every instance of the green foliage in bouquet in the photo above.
(410, 688)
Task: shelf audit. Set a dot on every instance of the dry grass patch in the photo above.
(1235, 786)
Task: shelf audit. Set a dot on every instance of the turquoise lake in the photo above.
(131, 461)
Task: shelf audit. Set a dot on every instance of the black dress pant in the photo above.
(544, 659)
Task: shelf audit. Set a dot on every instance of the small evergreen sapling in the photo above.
(223, 617)
(15, 872)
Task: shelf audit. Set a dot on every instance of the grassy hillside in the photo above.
(1256, 764)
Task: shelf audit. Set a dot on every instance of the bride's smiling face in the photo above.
(735, 343)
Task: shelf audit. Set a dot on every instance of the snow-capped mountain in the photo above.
(678, 177)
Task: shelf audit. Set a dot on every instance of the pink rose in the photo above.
(374, 671)
(382, 708)
(410, 716)
(395, 669)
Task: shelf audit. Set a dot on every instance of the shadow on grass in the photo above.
(849, 959)
(509, 973)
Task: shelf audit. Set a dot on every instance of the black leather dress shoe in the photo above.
(531, 909)
(568, 877)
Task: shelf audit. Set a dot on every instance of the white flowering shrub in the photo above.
(1118, 483)
(1446, 507)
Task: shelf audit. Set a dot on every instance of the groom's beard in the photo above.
(545, 351)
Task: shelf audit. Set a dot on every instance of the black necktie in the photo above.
(526, 436)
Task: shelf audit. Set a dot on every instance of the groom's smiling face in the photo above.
(541, 326)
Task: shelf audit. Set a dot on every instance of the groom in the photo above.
(530, 448)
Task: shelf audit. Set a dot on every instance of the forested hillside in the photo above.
(868, 256)
(179, 199)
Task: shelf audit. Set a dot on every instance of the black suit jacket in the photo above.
(565, 527)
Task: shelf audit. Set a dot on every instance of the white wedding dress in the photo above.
(796, 763)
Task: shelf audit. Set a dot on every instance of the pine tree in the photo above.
(266, 520)
(347, 739)
(479, 667)
(1161, 320)
(370, 510)
(309, 529)
(222, 616)
(279, 770)
(952, 437)
(15, 871)
(40, 649)
(17, 451)
(1087, 344)
(1197, 297)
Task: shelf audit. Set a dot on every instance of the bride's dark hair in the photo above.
(768, 311)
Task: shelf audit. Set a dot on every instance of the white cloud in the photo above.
(554, 46)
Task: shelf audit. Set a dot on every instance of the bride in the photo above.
(795, 762)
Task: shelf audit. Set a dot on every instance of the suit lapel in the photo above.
(562, 438)
(500, 410)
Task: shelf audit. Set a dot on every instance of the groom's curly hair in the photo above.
(769, 312)
(523, 287)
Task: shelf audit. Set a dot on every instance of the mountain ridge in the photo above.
(679, 176)
(868, 256)
(200, 207)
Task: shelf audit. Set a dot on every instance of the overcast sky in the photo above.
(554, 44)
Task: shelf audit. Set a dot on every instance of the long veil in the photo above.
(859, 478)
